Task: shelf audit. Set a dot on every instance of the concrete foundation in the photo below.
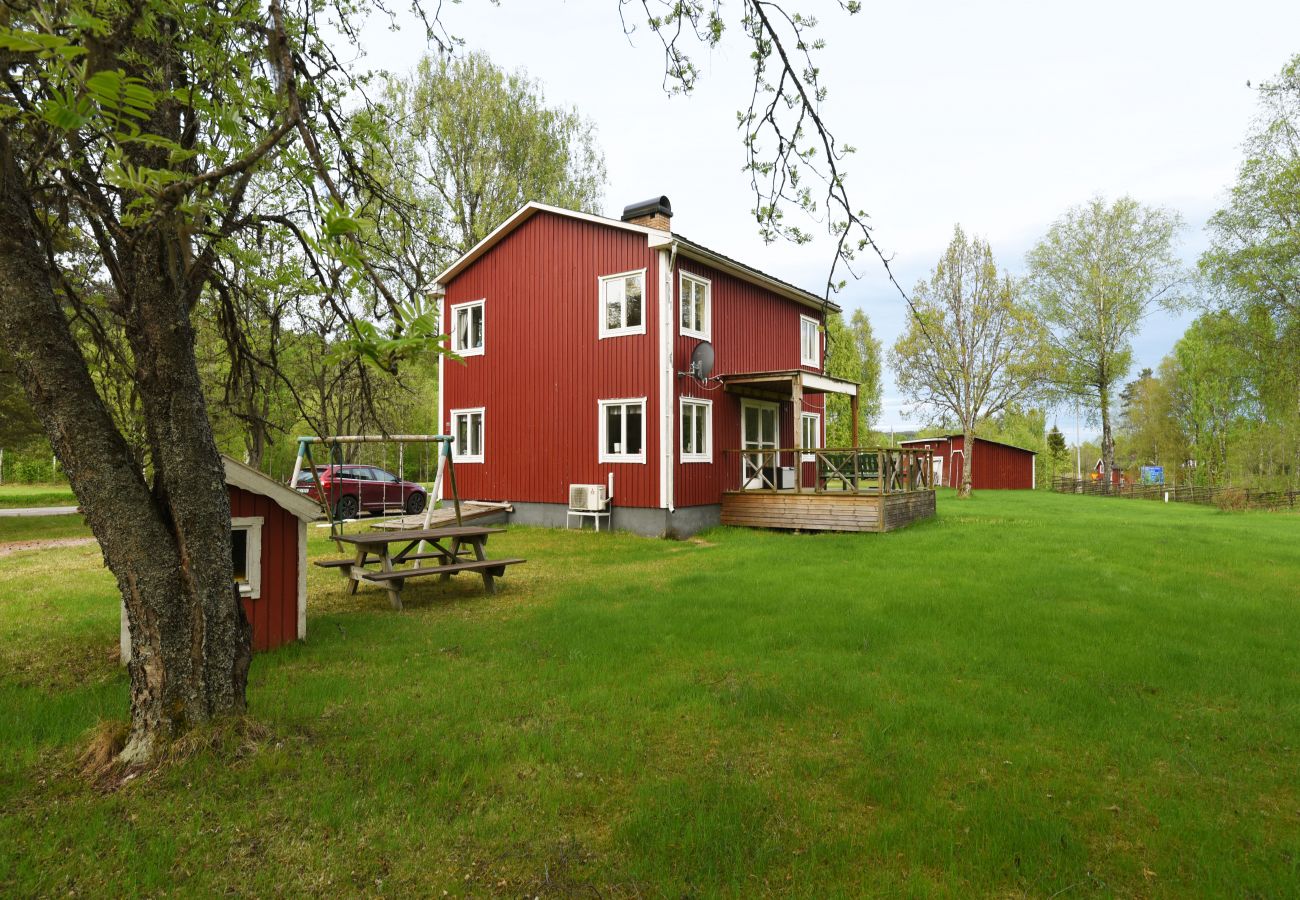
(682, 522)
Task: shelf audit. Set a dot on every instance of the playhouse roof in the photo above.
(250, 479)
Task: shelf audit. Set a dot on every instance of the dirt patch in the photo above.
(55, 543)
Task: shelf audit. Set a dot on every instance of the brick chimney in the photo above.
(656, 212)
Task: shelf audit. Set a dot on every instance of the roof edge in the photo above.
(978, 437)
(253, 481)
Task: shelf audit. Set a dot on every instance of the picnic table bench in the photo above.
(458, 548)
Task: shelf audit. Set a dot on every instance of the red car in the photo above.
(353, 489)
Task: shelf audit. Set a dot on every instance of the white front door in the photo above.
(938, 470)
(758, 432)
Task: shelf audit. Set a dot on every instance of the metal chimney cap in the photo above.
(653, 206)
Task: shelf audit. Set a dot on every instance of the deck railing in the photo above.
(851, 470)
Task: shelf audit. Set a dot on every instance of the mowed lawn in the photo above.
(1032, 695)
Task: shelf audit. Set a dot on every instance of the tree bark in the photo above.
(1107, 437)
(967, 454)
(166, 543)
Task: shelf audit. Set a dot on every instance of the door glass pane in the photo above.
(613, 429)
(634, 428)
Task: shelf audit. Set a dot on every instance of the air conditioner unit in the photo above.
(588, 497)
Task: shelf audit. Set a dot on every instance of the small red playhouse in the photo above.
(994, 465)
(268, 546)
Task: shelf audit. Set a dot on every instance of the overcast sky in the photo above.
(997, 116)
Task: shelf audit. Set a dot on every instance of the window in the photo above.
(467, 328)
(695, 306)
(381, 475)
(810, 343)
(622, 431)
(246, 554)
(810, 431)
(697, 430)
(620, 304)
(467, 435)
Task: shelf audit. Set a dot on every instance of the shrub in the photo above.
(1232, 498)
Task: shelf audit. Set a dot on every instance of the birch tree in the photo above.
(971, 349)
(1096, 275)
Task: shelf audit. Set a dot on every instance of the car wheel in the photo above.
(415, 504)
(346, 508)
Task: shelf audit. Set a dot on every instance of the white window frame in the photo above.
(605, 330)
(707, 329)
(816, 359)
(482, 434)
(706, 455)
(252, 527)
(604, 405)
(817, 435)
(468, 351)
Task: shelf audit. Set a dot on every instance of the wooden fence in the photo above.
(1226, 497)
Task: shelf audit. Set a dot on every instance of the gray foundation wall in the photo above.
(682, 522)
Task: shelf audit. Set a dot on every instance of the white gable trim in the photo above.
(242, 476)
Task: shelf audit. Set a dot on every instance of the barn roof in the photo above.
(655, 237)
(948, 437)
(250, 479)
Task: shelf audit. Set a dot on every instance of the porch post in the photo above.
(796, 392)
(853, 408)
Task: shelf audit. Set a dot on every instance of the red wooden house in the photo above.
(995, 465)
(268, 537)
(574, 334)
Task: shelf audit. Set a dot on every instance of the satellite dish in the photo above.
(702, 360)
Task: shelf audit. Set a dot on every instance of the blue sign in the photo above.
(1153, 474)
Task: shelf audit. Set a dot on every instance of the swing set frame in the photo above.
(446, 462)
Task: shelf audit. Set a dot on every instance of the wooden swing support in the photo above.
(445, 463)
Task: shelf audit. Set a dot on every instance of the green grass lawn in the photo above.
(1031, 695)
(19, 495)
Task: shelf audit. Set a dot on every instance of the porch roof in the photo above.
(781, 384)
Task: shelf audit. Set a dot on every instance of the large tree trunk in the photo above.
(967, 456)
(166, 544)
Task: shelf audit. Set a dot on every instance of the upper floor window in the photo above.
(622, 430)
(467, 328)
(621, 309)
(697, 430)
(695, 302)
(810, 342)
(467, 435)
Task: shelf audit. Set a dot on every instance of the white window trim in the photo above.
(707, 455)
(604, 457)
(605, 330)
(815, 361)
(482, 438)
(467, 351)
(252, 588)
(810, 457)
(702, 334)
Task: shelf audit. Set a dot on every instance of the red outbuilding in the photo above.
(994, 465)
(268, 537)
(575, 335)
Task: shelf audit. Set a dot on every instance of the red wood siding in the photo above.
(544, 366)
(753, 330)
(273, 615)
(994, 466)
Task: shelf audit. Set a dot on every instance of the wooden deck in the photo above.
(808, 510)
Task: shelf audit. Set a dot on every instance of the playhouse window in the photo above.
(622, 430)
(467, 328)
(697, 430)
(809, 342)
(695, 300)
(467, 434)
(810, 432)
(246, 554)
(620, 303)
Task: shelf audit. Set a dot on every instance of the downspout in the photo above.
(667, 376)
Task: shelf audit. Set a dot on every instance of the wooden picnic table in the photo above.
(458, 548)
